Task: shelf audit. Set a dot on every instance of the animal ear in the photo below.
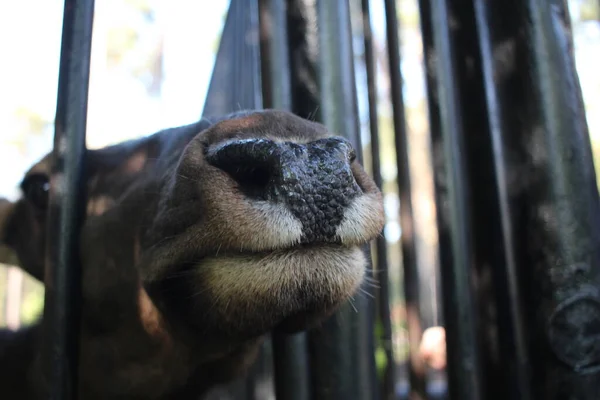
(7, 255)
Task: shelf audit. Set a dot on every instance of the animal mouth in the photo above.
(281, 287)
(295, 248)
(248, 293)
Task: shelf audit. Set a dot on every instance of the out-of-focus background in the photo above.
(151, 62)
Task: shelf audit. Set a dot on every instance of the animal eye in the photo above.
(352, 155)
(36, 188)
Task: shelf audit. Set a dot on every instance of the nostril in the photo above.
(252, 180)
(252, 163)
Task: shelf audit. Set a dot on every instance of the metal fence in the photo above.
(518, 216)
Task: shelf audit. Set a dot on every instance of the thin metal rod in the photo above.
(290, 351)
(409, 252)
(342, 350)
(452, 201)
(383, 298)
(67, 205)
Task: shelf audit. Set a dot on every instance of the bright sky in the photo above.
(119, 107)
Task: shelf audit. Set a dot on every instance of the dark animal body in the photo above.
(198, 241)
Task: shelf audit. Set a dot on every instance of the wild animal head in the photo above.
(215, 232)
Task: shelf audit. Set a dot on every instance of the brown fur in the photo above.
(183, 273)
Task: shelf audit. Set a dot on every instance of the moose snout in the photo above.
(314, 180)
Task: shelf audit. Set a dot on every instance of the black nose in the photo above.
(314, 180)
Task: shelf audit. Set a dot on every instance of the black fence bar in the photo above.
(506, 372)
(67, 205)
(303, 46)
(452, 199)
(289, 351)
(237, 60)
(383, 295)
(342, 350)
(552, 209)
(274, 49)
(383, 298)
(291, 367)
(409, 254)
(499, 320)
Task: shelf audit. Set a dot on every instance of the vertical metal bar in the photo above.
(505, 359)
(291, 367)
(338, 88)
(383, 298)
(499, 321)
(235, 81)
(409, 257)
(259, 379)
(303, 46)
(275, 71)
(290, 355)
(553, 208)
(235, 85)
(452, 201)
(342, 350)
(67, 205)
